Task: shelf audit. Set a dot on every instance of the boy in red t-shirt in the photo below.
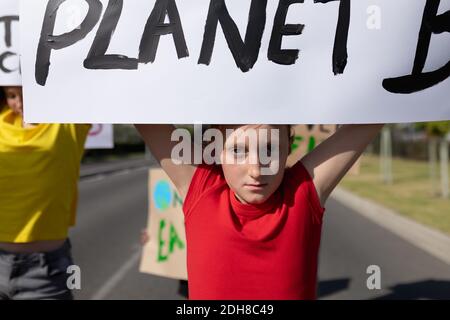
(252, 235)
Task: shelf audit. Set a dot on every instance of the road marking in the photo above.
(102, 176)
(92, 179)
(112, 282)
(123, 172)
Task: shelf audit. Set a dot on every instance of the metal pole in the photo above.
(432, 158)
(386, 155)
(443, 155)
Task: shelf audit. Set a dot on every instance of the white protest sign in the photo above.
(236, 61)
(9, 43)
(101, 136)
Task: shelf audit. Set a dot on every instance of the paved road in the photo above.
(113, 210)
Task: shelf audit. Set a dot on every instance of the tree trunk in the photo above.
(432, 160)
(386, 155)
(443, 155)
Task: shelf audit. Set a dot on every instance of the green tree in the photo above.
(437, 129)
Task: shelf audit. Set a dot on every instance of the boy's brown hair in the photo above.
(290, 130)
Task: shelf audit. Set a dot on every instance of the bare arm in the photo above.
(158, 140)
(332, 159)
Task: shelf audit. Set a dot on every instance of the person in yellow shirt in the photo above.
(39, 172)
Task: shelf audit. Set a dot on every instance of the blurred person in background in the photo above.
(39, 172)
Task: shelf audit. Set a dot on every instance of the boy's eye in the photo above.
(239, 150)
(269, 149)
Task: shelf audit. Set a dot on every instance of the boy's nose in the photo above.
(255, 171)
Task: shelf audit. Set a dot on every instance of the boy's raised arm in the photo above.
(331, 160)
(158, 139)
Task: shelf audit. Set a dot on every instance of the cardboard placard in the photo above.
(307, 137)
(165, 253)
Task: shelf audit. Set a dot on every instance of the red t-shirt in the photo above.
(252, 252)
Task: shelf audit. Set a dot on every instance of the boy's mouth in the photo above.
(255, 186)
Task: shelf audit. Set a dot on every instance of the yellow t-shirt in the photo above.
(39, 171)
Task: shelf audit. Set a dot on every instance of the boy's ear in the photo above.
(291, 138)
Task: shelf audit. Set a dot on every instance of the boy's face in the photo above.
(13, 97)
(249, 179)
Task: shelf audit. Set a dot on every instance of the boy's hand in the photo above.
(145, 238)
